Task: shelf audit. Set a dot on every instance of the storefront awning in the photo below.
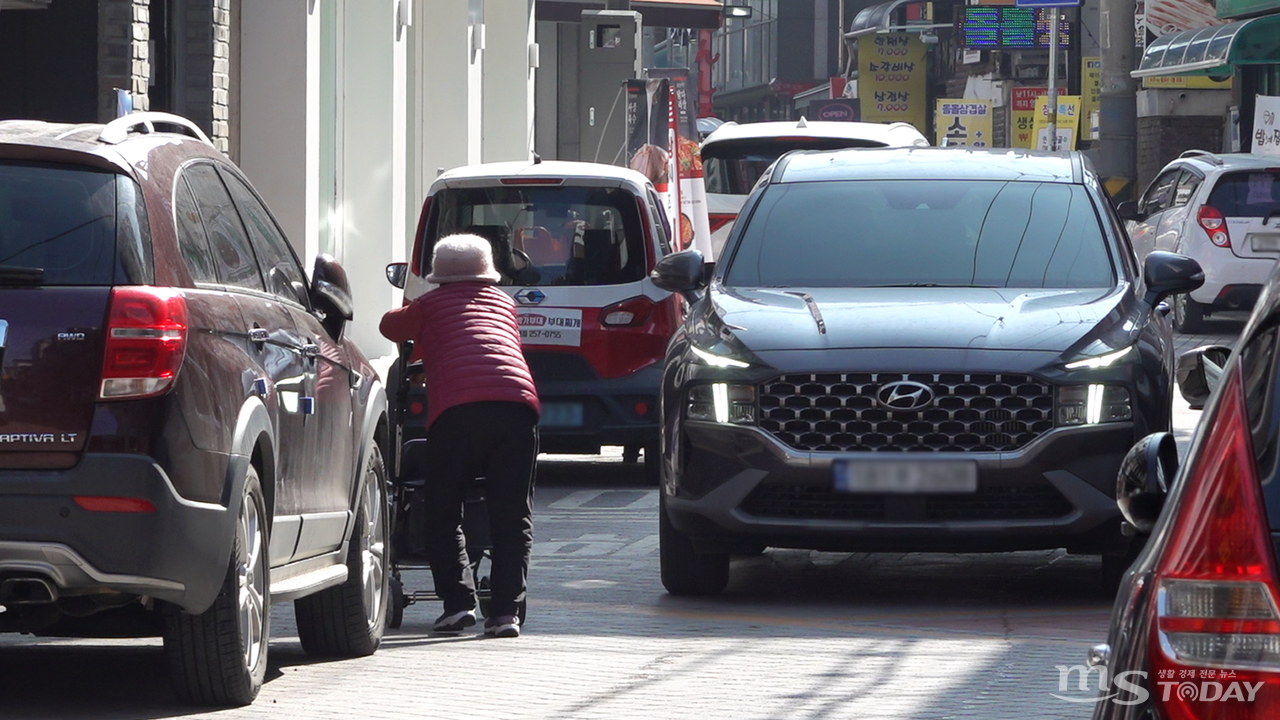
(879, 18)
(1213, 50)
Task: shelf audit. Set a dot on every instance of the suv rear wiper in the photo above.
(16, 275)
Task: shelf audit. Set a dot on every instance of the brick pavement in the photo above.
(796, 635)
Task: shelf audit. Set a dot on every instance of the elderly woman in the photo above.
(482, 420)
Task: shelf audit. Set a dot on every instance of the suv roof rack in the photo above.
(1202, 154)
(117, 131)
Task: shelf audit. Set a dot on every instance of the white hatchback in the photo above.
(735, 156)
(1224, 211)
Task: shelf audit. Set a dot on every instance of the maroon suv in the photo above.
(185, 435)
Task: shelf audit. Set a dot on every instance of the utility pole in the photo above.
(1053, 79)
(1117, 156)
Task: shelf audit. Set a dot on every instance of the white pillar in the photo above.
(275, 89)
(508, 81)
(371, 142)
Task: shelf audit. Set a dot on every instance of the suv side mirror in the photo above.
(397, 273)
(1129, 210)
(331, 293)
(1169, 273)
(680, 272)
(1142, 484)
(1199, 371)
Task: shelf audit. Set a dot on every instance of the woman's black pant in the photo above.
(499, 442)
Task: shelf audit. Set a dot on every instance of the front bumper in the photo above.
(741, 487)
(178, 553)
(609, 411)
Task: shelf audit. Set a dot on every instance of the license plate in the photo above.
(897, 476)
(1265, 242)
(561, 415)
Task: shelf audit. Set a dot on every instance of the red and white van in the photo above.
(575, 243)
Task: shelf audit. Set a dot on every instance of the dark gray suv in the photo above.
(925, 349)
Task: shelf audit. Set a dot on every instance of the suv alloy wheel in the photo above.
(219, 657)
(348, 620)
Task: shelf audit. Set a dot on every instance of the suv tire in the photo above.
(1188, 315)
(684, 570)
(348, 620)
(219, 657)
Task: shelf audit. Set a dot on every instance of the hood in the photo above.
(1056, 320)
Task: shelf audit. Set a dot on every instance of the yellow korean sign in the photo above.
(963, 123)
(891, 78)
(1022, 115)
(1068, 122)
(1186, 82)
(1090, 94)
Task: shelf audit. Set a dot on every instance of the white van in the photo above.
(734, 157)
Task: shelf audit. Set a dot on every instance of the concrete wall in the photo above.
(1173, 121)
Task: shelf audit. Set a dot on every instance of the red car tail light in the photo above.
(1216, 612)
(1215, 225)
(415, 260)
(146, 342)
(631, 312)
(719, 220)
(95, 503)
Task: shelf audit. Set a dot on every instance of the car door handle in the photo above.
(259, 335)
(311, 351)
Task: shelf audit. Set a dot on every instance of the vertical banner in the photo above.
(1090, 95)
(675, 211)
(695, 224)
(963, 123)
(1022, 118)
(892, 84)
(649, 135)
(1068, 122)
(1266, 126)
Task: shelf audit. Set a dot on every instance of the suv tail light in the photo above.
(719, 220)
(1215, 224)
(631, 312)
(415, 260)
(146, 341)
(1216, 616)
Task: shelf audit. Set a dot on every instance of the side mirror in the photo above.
(1144, 478)
(1199, 371)
(679, 272)
(1129, 210)
(331, 293)
(1168, 274)
(397, 273)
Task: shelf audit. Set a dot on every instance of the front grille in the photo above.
(971, 412)
(990, 502)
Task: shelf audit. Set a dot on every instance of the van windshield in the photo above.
(923, 233)
(548, 235)
(732, 167)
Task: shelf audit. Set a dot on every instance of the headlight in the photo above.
(1092, 404)
(717, 360)
(722, 403)
(1100, 361)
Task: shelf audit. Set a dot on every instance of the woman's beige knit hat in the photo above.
(462, 258)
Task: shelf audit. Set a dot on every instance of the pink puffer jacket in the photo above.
(467, 337)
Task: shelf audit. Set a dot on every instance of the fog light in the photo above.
(1093, 404)
(722, 403)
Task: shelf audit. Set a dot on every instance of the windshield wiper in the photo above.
(15, 275)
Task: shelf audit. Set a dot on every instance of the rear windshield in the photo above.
(910, 232)
(733, 167)
(548, 235)
(65, 223)
(1247, 193)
